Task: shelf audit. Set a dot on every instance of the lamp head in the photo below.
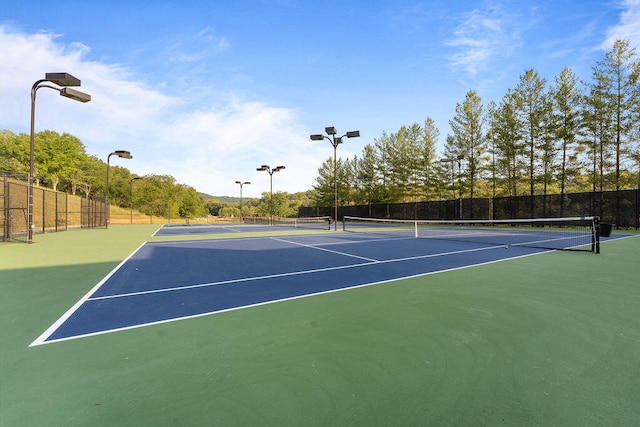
(330, 130)
(317, 137)
(76, 95)
(353, 134)
(124, 154)
(279, 168)
(62, 79)
(460, 157)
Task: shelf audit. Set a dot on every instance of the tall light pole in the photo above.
(241, 184)
(124, 154)
(60, 79)
(452, 160)
(135, 178)
(270, 171)
(334, 140)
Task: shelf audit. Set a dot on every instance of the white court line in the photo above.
(41, 339)
(156, 232)
(235, 230)
(324, 249)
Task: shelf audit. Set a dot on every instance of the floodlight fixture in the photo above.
(270, 172)
(59, 79)
(335, 141)
(76, 95)
(241, 183)
(62, 79)
(124, 154)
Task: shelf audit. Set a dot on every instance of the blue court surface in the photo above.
(167, 281)
(183, 230)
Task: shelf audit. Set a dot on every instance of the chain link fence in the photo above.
(52, 210)
(621, 208)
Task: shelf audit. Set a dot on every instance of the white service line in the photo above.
(323, 249)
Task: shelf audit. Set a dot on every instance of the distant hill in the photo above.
(223, 199)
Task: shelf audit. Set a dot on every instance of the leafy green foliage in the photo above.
(537, 140)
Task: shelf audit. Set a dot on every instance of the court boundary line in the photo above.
(51, 329)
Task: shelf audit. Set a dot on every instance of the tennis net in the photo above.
(576, 233)
(320, 223)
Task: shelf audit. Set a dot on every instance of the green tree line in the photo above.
(62, 164)
(540, 138)
(282, 204)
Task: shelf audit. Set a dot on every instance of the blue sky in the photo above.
(206, 91)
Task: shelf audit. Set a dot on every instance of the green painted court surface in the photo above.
(551, 339)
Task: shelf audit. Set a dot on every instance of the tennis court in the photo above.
(452, 332)
(247, 225)
(166, 281)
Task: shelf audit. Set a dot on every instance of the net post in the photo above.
(595, 243)
(415, 229)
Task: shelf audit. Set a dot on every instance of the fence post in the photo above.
(6, 235)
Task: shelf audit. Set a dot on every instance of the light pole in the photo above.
(334, 140)
(135, 178)
(270, 171)
(241, 184)
(59, 79)
(451, 160)
(124, 154)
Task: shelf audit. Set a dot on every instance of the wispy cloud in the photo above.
(482, 35)
(629, 26)
(195, 47)
(203, 145)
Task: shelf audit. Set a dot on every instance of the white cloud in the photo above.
(628, 28)
(206, 147)
(482, 36)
